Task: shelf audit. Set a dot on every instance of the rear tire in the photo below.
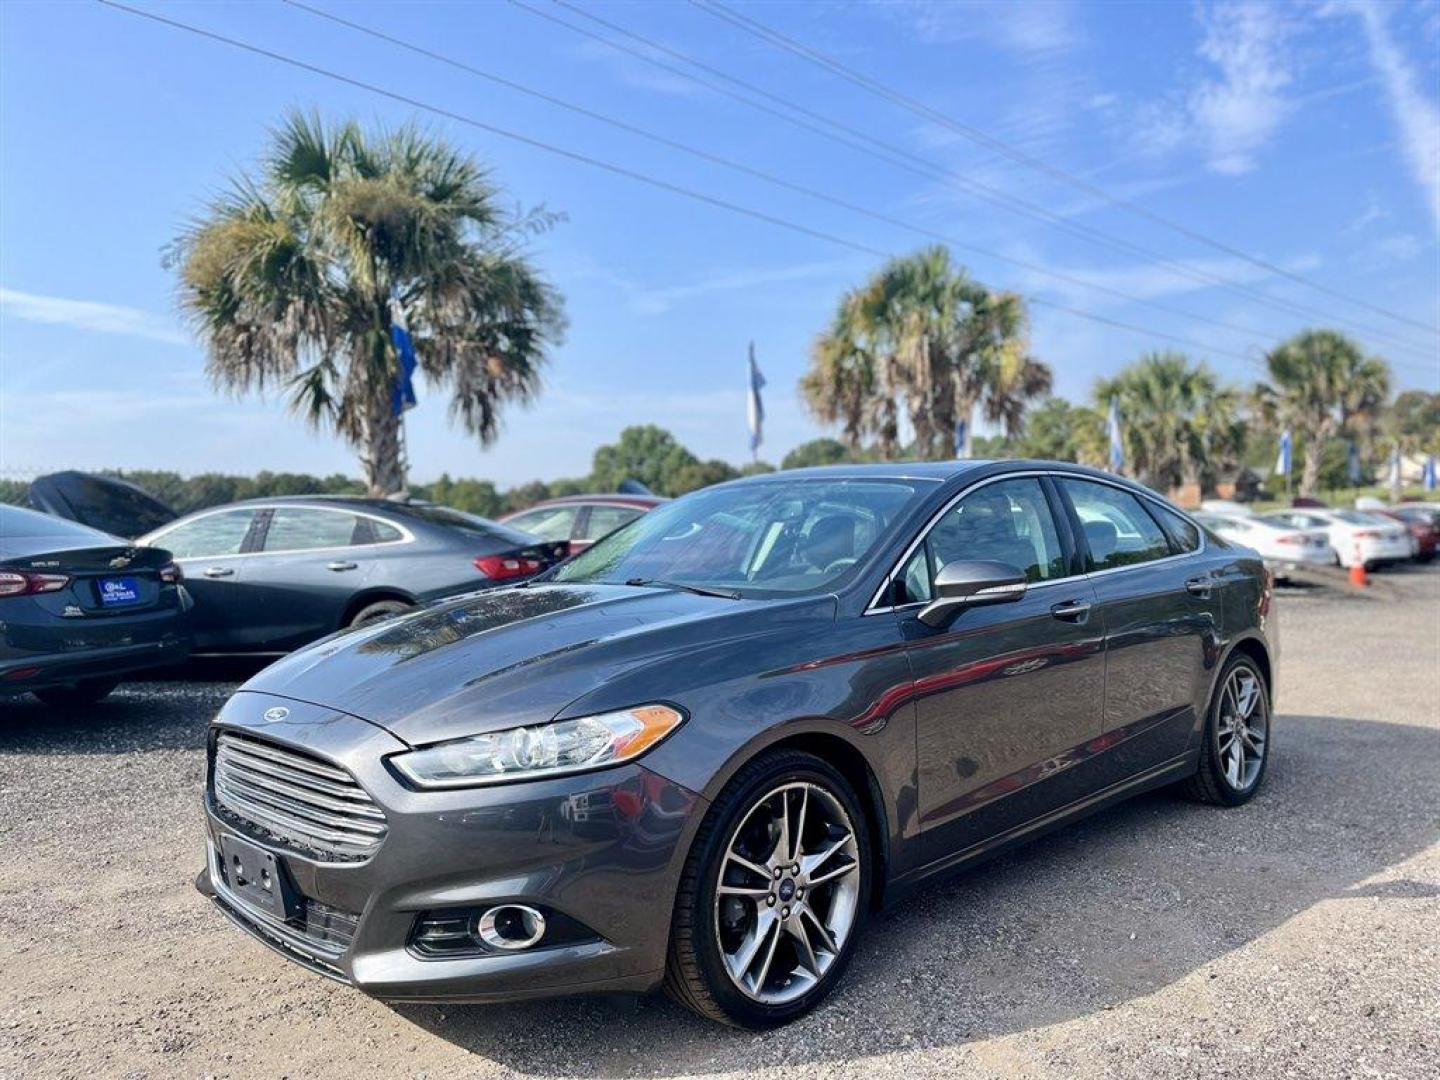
(83, 692)
(798, 946)
(1236, 751)
(381, 609)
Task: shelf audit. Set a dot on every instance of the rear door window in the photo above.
(1183, 533)
(1118, 529)
(548, 523)
(604, 520)
(298, 528)
(221, 533)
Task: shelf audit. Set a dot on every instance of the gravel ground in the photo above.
(1297, 936)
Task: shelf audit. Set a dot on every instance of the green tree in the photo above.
(1179, 424)
(923, 333)
(1056, 430)
(818, 452)
(646, 453)
(1321, 385)
(1414, 419)
(700, 474)
(295, 278)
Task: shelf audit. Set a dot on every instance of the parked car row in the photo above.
(81, 608)
(1309, 536)
(263, 576)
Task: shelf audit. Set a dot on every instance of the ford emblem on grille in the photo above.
(275, 715)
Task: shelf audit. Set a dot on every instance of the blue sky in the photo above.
(1306, 135)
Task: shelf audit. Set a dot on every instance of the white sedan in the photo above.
(1359, 539)
(1282, 547)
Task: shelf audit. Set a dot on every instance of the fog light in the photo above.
(510, 926)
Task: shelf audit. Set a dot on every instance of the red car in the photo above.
(581, 519)
(1424, 526)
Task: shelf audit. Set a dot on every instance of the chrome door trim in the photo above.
(873, 609)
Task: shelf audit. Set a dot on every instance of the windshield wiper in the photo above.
(698, 590)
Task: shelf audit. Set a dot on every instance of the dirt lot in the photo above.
(1298, 936)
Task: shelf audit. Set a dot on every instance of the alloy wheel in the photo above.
(1242, 728)
(788, 892)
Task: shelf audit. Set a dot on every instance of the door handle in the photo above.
(1200, 586)
(1071, 610)
(219, 571)
(339, 566)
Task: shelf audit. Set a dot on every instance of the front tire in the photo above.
(773, 895)
(1237, 737)
(73, 695)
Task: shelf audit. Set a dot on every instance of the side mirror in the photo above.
(971, 582)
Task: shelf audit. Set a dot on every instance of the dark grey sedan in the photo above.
(80, 609)
(700, 753)
(270, 575)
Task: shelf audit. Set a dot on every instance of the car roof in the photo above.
(643, 502)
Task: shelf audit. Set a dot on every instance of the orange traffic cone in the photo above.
(1358, 577)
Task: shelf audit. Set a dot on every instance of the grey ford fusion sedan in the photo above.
(700, 753)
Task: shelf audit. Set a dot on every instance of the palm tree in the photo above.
(1180, 423)
(923, 331)
(1321, 384)
(295, 279)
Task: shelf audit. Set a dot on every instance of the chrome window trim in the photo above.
(873, 609)
(406, 536)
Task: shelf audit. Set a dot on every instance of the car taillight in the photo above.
(504, 567)
(1367, 534)
(171, 574)
(1291, 540)
(23, 583)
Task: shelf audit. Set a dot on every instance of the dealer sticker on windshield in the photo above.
(118, 591)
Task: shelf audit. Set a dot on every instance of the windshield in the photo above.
(780, 536)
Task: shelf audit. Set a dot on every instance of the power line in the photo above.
(618, 170)
(904, 159)
(755, 28)
(759, 174)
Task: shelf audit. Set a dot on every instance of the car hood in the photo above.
(508, 657)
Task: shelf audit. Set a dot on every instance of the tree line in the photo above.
(924, 342)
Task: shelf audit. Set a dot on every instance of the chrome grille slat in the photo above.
(240, 756)
(297, 799)
(287, 757)
(273, 782)
(296, 809)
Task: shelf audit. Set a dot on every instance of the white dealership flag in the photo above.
(1117, 444)
(1282, 460)
(755, 407)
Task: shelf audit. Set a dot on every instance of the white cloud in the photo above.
(89, 315)
(635, 72)
(1416, 116)
(656, 301)
(1152, 281)
(1237, 111)
(1029, 27)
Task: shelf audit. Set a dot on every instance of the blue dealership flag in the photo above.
(1429, 476)
(1283, 459)
(1117, 444)
(402, 397)
(961, 428)
(755, 407)
(1352, 466)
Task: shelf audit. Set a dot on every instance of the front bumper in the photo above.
(602, 850)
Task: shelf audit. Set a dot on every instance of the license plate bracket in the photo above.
(118, 591)
(258, 878)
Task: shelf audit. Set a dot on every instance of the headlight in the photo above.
(533, 753)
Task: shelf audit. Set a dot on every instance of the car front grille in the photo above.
(302, 802)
